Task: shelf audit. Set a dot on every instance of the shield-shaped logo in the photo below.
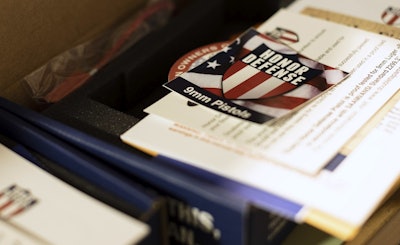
(284, 35)
(15, 200)
(391, 16)
(265, 73)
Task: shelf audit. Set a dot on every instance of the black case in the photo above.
(113, 99)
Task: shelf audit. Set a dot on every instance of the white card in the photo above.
(48, 211)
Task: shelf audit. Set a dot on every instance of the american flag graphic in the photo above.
(15, 200)
(244, 81)
(227, 76)
(391, 16)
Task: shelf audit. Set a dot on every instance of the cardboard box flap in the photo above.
(34, 31)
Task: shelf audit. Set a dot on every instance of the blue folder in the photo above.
(220, 210)
(86, 173)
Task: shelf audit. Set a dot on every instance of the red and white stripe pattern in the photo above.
(284, 35)
(280, 105)
(275, 106)
(391, 16)
(249, 83)
(15, 200)
(242, 81)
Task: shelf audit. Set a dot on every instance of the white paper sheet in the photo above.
(56, 213)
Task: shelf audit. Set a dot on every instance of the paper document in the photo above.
(322, 127)
(297, 156)
(375, 16)
(37, 208)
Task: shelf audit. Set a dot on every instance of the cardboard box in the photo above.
(34, 31)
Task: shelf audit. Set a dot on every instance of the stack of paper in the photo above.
(290, 108)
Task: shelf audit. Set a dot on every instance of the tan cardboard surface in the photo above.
(33, 31)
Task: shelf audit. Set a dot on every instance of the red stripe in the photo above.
(283, 88)
(6, 205)
(242, 53)
(282, 102)
(292, 40)
(318, 82)
(19, 210)
(268, 38)
(392, 20)
(247, 85)
(233, 69)
(216, 91)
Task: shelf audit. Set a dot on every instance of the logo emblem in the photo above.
(15, 200)
(284, 35)
(261, 74)
(391, 16)
(265, 73)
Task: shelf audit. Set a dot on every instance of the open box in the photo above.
(113, 99)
